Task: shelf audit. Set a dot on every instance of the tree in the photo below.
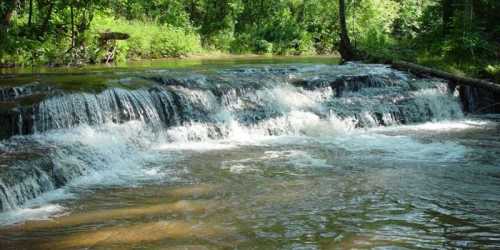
(46, 20)
(345, 48)
(448, 11)
(7, 9)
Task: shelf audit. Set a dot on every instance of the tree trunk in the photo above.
(448, 11)
(345, 49)
(73, 35)
(46, 21)
(10, 7)
(460, 80)
(30, 18)
(5, 19)
(191, 10)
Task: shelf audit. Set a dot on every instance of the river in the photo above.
(238, 154)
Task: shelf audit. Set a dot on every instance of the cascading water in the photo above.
(73, 135)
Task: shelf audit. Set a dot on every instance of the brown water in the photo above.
(298, 193)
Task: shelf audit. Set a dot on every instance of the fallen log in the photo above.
(105, 36)
(108, 43)
(459, 80)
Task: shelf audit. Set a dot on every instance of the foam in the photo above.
(398, 148)
(89, 157)
(441, 126)
(241, 169)
(196, 146)
(44, 212)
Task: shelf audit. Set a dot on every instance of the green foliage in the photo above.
(465, 41)
(263, 47)
(61, 32)
(371, 24)
(220, 40)
(493, 71)
(149, 40)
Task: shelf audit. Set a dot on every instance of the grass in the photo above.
(149, 40)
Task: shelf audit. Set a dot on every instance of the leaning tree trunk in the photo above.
(460, 80)
(345, 49)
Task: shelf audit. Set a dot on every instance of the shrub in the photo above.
(263, 47)
(150, 39)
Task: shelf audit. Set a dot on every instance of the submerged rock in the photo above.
(479, 101)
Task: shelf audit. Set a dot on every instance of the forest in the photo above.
(459, 36)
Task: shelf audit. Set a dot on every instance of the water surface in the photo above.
(390, 164)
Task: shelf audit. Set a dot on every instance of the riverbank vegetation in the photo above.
(461, 36)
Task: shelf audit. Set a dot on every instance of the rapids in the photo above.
(300, 156)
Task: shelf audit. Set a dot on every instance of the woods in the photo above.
(249, 124)
(460, 36)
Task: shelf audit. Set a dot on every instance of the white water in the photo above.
(89, 149)
(128, 155)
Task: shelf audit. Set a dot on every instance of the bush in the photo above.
(263, 47)
(149, 39)
(493, 71)
(222, 41)
(243, 43)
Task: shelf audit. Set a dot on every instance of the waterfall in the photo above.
(82, 133)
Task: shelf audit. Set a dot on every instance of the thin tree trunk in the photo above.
(448, 11)
(46, 21)
(303, 11)
(191, 10)
(346, 50)
(73, 37)
(30, 18)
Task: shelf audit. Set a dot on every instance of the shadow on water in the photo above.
(180, 220)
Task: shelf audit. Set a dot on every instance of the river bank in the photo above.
(192, 60)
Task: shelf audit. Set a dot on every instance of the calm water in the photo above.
(326, 185)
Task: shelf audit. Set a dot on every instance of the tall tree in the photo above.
(30, 15)
(6, 13)
(345, 48)
(448, 11)
(46, 20)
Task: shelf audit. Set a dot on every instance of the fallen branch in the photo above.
(111, 55)
(113, 36)
(459, 80)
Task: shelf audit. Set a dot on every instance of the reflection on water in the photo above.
(141, 233)
(121, 214)
(195, 62)
(299, 193)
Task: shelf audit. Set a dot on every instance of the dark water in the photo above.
(319, 171)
